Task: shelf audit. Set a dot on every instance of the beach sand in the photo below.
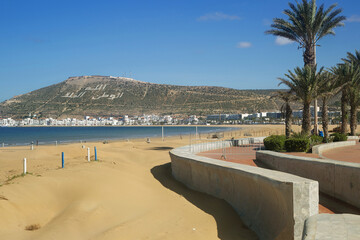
(128, 194)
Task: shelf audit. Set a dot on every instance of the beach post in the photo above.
(190, 142)
(3, 144)
(88, 154)
(62, 160)
(95, 153)
(55, 143)
(24, 165)
(32, 146)
(162, 132)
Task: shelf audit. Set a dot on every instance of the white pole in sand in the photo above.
(24, 165)
(162, 132)
(32, 146)
(190, 142)
(55, 143)
(3, 144)
(88, 152)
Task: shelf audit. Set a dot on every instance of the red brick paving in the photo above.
(231, 155)
(345, 154)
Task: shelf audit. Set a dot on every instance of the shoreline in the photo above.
(116, 139)
(231, 128)
(181, 125)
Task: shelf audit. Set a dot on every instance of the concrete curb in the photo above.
(319, 149)
(332, 226)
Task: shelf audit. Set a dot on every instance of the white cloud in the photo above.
(243, 44)
(282, 41)
(218, 16)
(354, 18)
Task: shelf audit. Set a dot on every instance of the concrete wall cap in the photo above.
(261, 172)
(319, 149)
(313, 160)
(332, 226)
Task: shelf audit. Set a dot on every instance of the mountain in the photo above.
(115, 96)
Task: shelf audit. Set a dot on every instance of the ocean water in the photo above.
(48, 135)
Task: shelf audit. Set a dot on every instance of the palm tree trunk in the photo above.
(306, 122)
(310, 59)
(288, 116)
(344, 114)
(325, 117)
(353, 113)
(310, 55)
(315, 117)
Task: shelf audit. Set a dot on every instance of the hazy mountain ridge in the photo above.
(114, 96)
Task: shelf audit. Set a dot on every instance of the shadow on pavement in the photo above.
(331, 203)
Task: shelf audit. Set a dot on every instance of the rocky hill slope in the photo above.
(114, 96)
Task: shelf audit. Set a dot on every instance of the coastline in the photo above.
(181, 125)
(90, 136)
(180, 140)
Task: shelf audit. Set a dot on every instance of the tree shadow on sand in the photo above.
(229, 224)
(161, 148)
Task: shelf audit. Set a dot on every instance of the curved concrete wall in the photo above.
(273, 204)
(319, 149)
(338, 179)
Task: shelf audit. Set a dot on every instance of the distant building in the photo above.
(217, 117)
(234, 117)
(274, 115)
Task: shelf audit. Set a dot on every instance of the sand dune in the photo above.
(128, 194)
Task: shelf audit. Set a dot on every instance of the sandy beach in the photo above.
(128, 194)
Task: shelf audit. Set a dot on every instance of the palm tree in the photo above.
(340, 73)
(354, 97)
(352, 77)
(304, 82)
(286, 109)
(353, 60)
(306, 25)
(328, 87)
(348, 74)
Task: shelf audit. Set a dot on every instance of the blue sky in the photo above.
(215, 43)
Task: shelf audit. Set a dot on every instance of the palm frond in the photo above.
(306, 23)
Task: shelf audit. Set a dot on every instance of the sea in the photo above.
(19, 136)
